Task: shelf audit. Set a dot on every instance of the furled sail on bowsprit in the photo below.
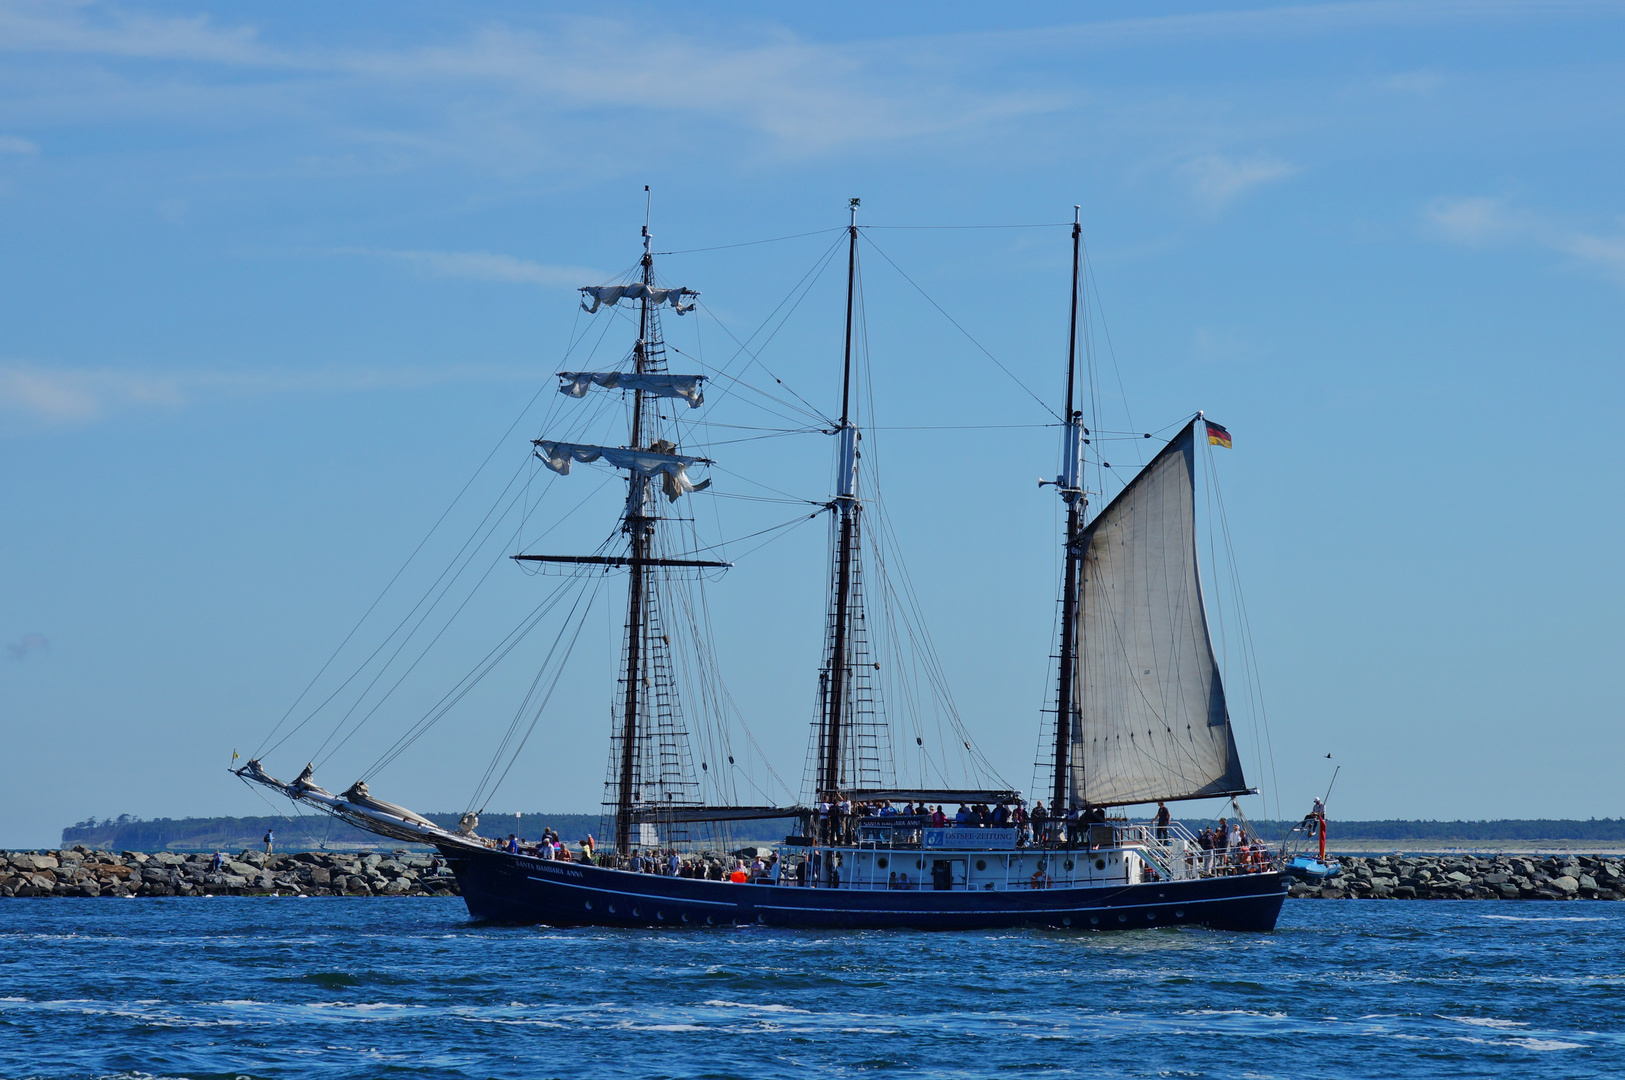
(1151, 717)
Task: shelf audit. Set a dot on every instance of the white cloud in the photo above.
(1412, 82)
(1219, 180)
(55, 396)
(488, 266)
(1483, 220)
(1474, 220)
(1605, 251)
(806, 96)
(55, 27)
(11, 144)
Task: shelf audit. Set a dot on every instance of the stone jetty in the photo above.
(1473, 877)
(80, 871)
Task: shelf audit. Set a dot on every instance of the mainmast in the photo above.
(846, 505)
(638, 525)
(1069, 483)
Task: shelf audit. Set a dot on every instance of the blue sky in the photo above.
(277, 279)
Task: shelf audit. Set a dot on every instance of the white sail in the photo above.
(688, 387)
(637, 290)
(1150, 719)
(673, 468)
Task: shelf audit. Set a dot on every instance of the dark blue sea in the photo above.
(409, 987)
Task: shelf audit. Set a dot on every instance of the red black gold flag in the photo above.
(1216, 435)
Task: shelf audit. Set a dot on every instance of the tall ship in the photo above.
(1139, 715)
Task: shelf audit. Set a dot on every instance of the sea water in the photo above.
(410, 987)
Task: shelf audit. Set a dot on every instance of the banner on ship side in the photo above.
(996, 839)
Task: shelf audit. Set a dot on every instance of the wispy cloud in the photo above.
(489, 266)
(12, 144)
(1481, 221)
(1475, 220)
(1218, 180)
(804, 95)
(77, 28)
(55, 396)
(30, 643)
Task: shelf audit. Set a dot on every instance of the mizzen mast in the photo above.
(1077, 502)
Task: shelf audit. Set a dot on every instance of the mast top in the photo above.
(648, 212)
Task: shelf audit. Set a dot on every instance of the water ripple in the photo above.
(412, 988)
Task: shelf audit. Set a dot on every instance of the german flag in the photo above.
(1216, 435)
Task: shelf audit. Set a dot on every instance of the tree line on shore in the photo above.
(319, 832)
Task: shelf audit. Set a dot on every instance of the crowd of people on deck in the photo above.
(1226, 848)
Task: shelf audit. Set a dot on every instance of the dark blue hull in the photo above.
(508, 888)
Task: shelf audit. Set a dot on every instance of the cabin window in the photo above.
(881, 862)
(981, 864)
(1100, 864)
(1067, 864)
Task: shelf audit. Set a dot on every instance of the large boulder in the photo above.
(26, 861)
(1565, 885)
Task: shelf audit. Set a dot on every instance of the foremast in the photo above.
(638, 526)
(645, 696)
(1077, 503)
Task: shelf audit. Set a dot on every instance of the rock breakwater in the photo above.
(1470, 877)
(80, 871)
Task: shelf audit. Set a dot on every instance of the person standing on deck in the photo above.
(1163, 818)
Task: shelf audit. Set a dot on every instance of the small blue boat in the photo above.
(1309, 868)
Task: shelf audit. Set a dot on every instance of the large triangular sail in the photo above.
(1150, 707)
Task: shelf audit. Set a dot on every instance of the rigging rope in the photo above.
(940, 310)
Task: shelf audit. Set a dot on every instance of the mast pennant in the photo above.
(673, 468)
(688, 387)
(1152, 720)
(613, 294)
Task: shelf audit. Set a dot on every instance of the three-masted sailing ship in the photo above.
(1140, 717)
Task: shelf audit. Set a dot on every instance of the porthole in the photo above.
(1122, 918)
(612, 909)
(919, 864)
(1094, 920)
(685, 916)
(636, 913)
(710, 921)
(589, 905)
(661, 915)
(1067, 921)
(981, 864)
(881, 862)
(1151, 915)
(1067, 864)
(1100, 864)
(1179, 914)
